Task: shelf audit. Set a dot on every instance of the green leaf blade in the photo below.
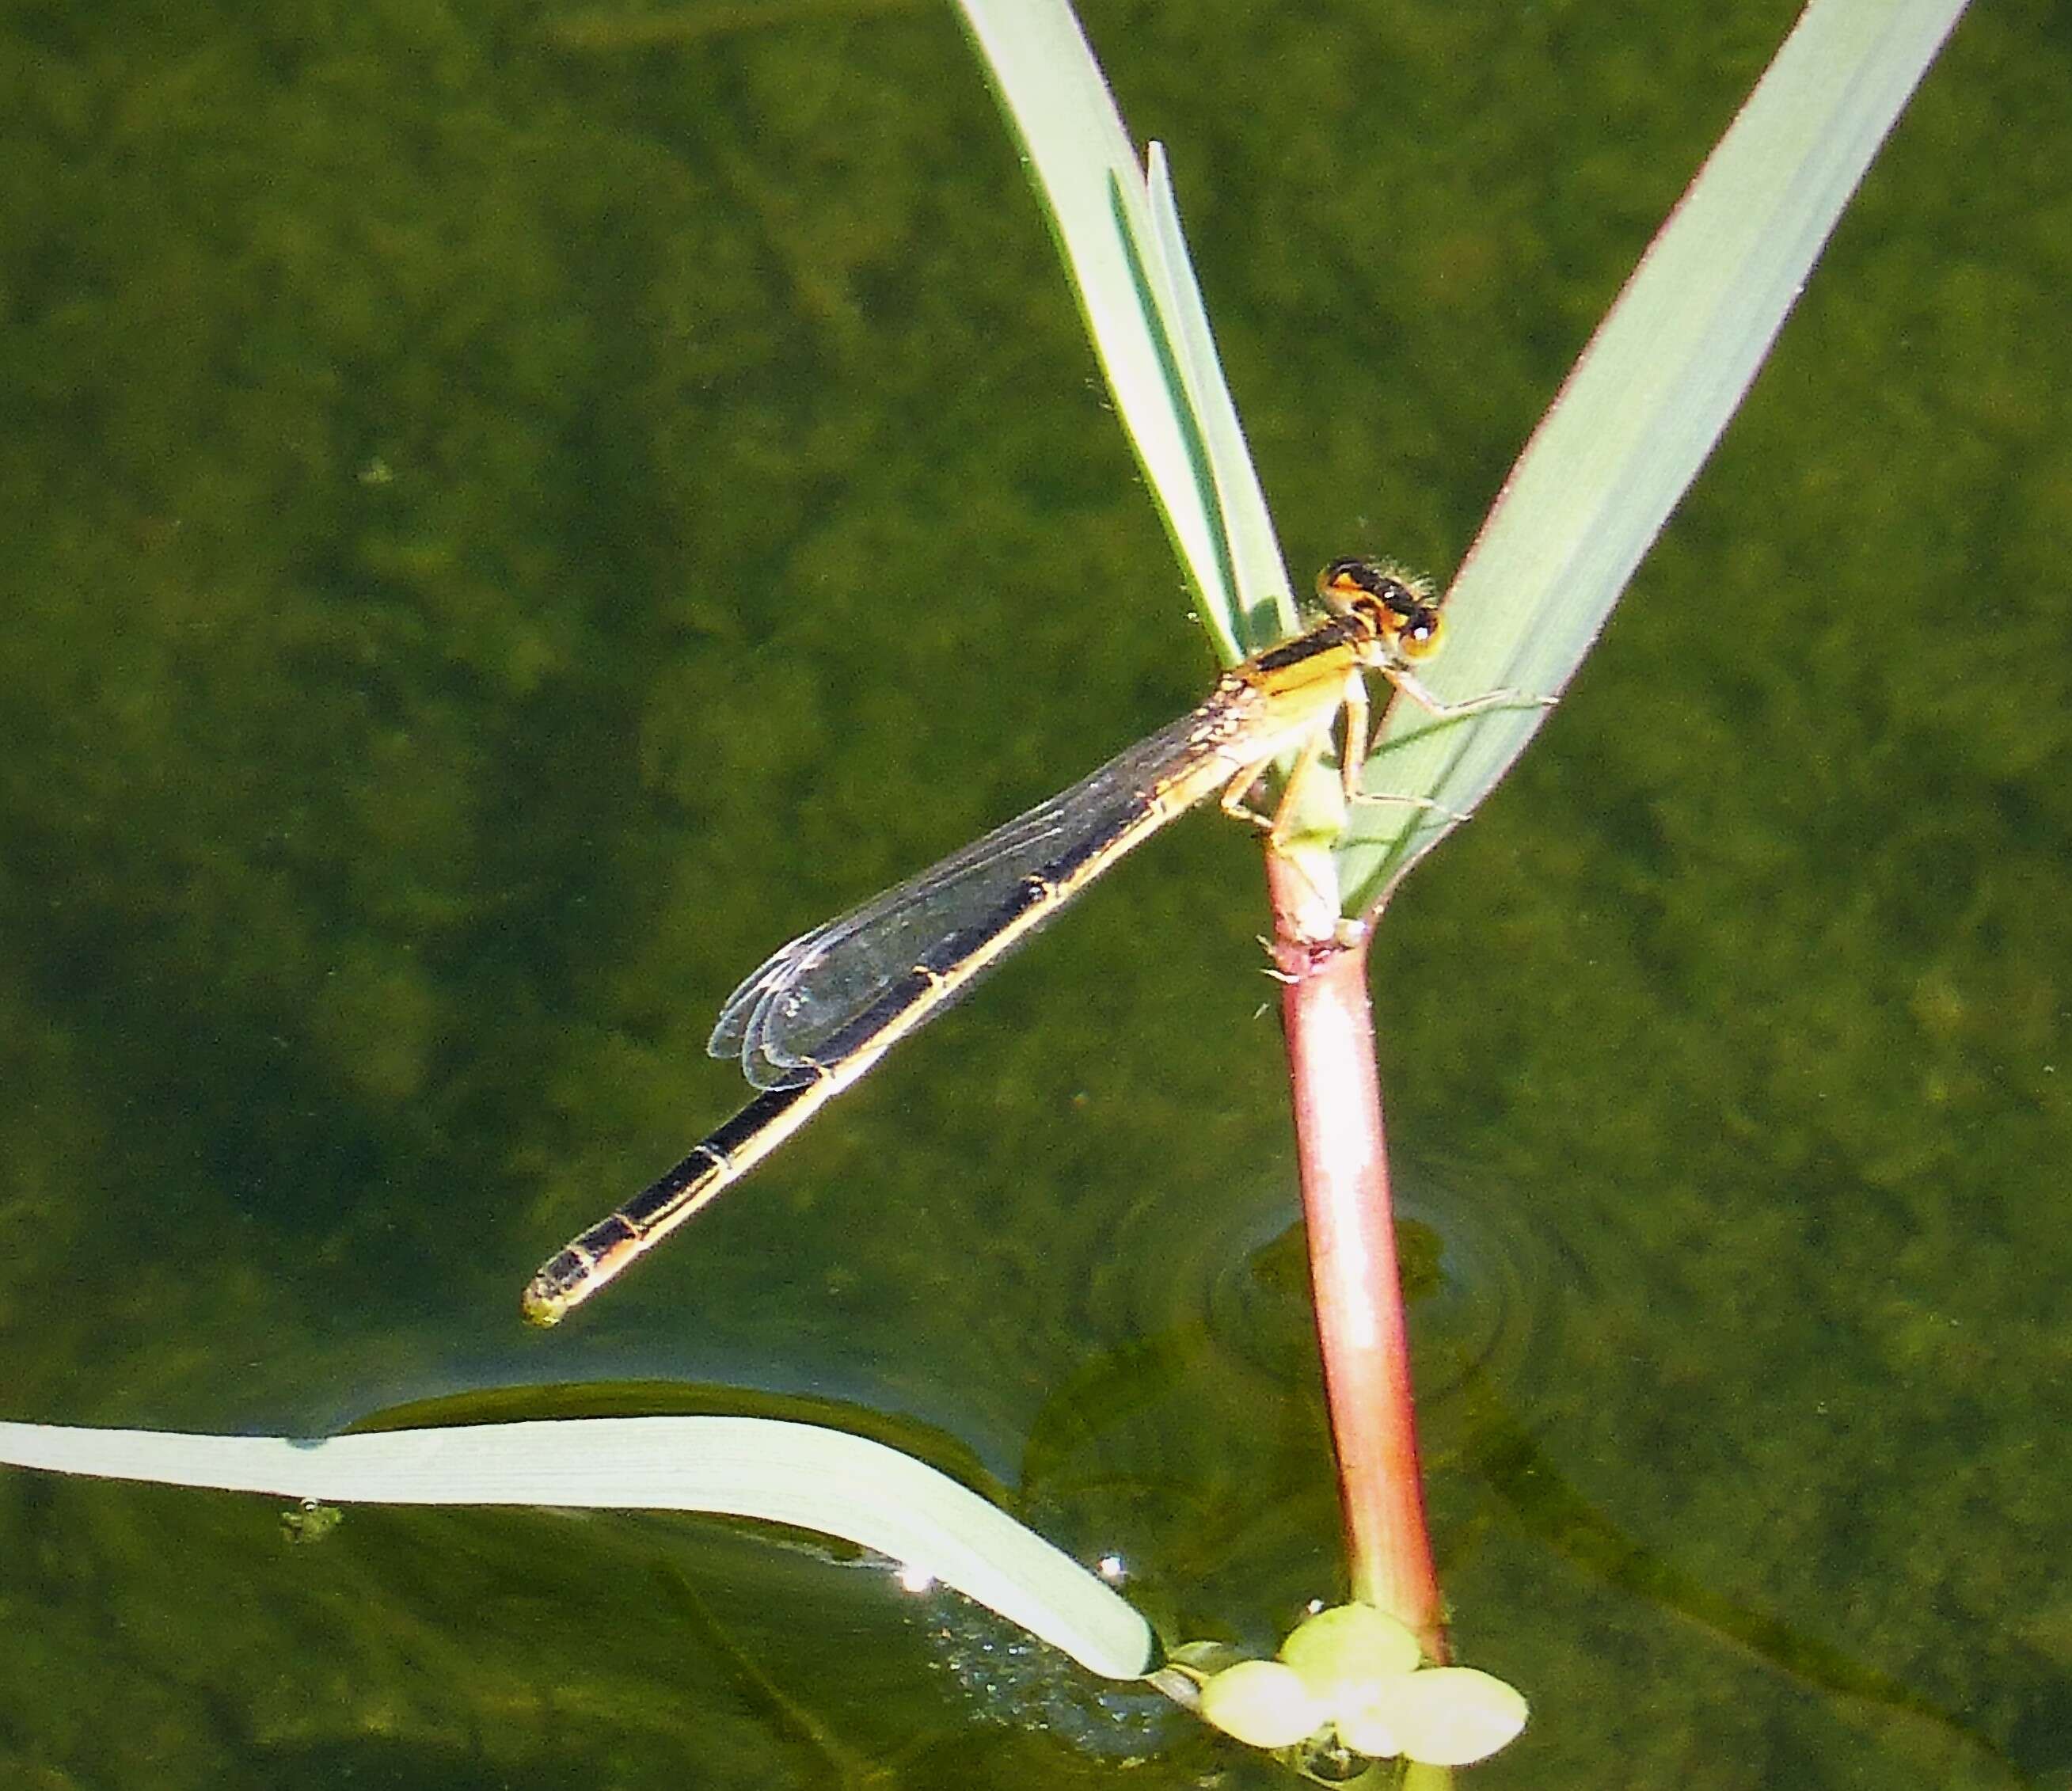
(1648, 398)
(803, 1476)
(1119, 236)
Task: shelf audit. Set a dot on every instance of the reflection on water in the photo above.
(1476, 1270)
(1198, 1448)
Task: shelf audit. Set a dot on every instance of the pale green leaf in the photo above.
(1128, 266)
(1641, 411)
(803, 1476)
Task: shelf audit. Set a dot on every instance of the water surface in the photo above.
(510, 514)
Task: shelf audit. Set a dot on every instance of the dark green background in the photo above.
(506, 513)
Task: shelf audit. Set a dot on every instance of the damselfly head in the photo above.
(1395, 604)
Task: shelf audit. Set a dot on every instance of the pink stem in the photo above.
(1359, 1292)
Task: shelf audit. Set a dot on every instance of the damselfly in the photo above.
(820, 1013)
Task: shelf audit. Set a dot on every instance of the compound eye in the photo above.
(1418, 637)
(1343, 580)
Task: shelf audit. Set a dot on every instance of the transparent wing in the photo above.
(803, 993)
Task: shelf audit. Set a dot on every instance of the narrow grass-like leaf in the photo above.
(1641, 411)
(1137, 292)
(811, 1478)
(1268, 611)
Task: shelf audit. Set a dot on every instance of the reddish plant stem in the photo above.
(1343, 1157)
